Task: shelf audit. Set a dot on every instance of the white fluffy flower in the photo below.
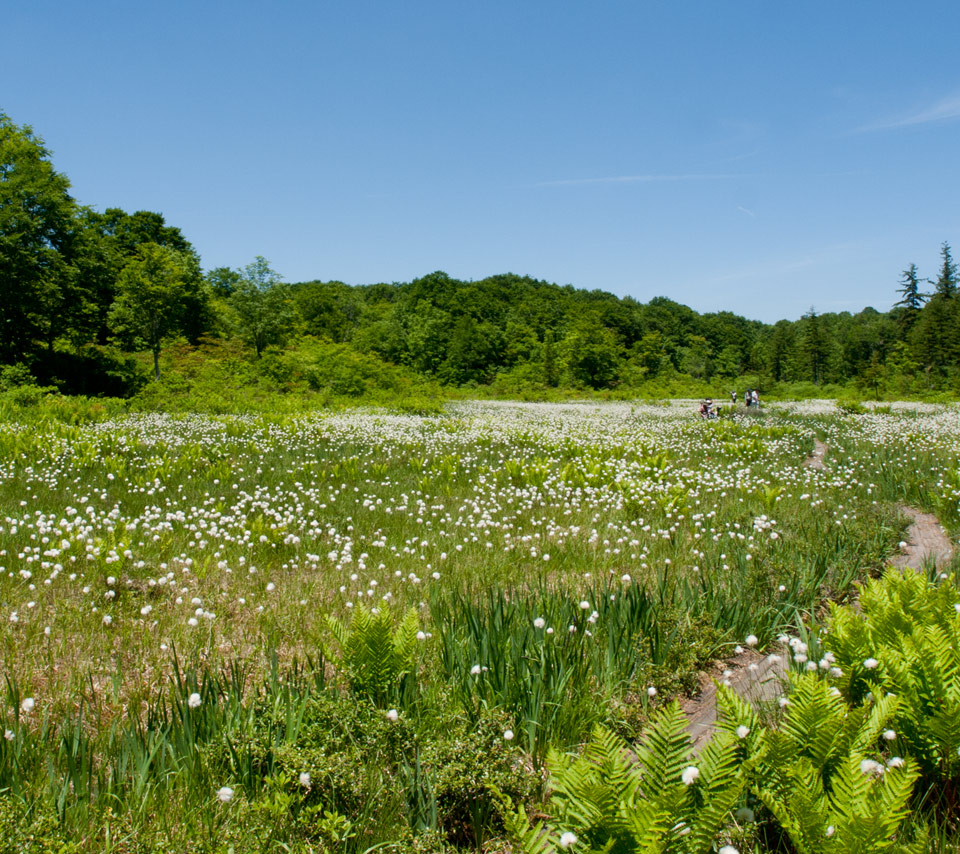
(225, 794)
(651, 692)
(568, 839)
(539, 623)
(743, 731)
(305, 779)
(28, 704)
(689, 775)
(728, 849)
(393, 716)
(871, 664)
(194, 700)
(751, 640)
(889, 734)
(508, 735)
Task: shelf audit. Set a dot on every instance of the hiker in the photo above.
(756, 399)
(733, 397)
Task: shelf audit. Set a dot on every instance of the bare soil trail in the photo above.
(815, 460)
(754, 677)
(926, 542)
(759, 679)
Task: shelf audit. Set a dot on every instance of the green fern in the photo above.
(378, 658)
(618, 802)
(911, 628)
(818, 778)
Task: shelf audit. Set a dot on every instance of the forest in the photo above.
(118, 304)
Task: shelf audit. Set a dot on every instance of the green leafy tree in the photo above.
(651, 352)
(696, 357)
(262, 304)
(592, 354)
(521, 342)
(152, 291)
(38, 277)
(473, 352)
(113, 237)
(223, 280)
(427, 330)
(551, 376)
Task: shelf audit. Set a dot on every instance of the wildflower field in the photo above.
(371, 631)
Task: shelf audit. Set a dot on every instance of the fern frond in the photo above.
(665, 750)
(531, 839)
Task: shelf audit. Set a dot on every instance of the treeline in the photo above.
(81, 290)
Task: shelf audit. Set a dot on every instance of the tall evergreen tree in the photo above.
(910, 289)
(814, 346)
(947, 280)
(912, 300)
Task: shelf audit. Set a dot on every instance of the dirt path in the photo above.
(815, 460)
(753, 676)
(926, 542)
(759, 678)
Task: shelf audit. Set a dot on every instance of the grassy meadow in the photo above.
(373, 630)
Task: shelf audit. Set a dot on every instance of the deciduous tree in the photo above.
(262, 304)
(152, 292)
(38, 276)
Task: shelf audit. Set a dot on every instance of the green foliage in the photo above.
(63, 285)
(379, 659)
(910, 628)
(813, 773)
(152, 293)
(262, 306)
(15, 376)
(654, 800)
(39, 293)
(820, 777)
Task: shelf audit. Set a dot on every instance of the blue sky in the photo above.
(753, 156)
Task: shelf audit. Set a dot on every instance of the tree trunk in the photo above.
(156, 363)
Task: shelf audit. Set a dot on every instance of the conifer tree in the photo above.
(912, 300)
(947, 280)
(910, 289)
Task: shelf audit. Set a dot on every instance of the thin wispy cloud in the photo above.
(747, 211)
(943, 110)
(633, 179)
